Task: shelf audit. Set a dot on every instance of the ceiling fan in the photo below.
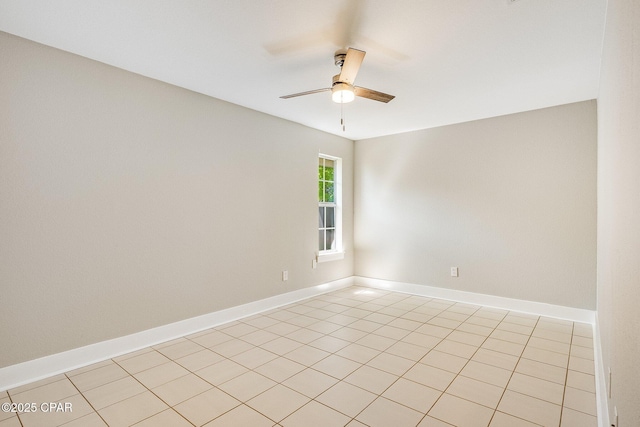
(342, 89)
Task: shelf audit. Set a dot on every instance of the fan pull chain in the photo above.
(342, 117)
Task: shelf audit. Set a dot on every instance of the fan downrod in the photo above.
(338, 58)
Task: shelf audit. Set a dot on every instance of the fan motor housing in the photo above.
(336, 81)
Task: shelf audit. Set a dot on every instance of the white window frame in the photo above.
(337, 253)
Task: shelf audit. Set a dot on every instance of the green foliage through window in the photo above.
(326, 185)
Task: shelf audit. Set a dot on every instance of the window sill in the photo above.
(330, 256)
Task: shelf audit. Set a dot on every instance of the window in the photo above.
(329, 208)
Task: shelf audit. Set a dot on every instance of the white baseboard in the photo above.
(602, 392)
(512, 304)
(34, 370)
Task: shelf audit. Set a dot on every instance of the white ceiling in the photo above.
(446, 61)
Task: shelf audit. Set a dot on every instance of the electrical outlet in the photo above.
(454, 271)
(614, 423)
(314, 263)
(285, 275)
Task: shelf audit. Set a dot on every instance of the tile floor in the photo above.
(355, 357)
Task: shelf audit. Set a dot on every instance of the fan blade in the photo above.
(373, 94)
(293, 95)
(351, 65)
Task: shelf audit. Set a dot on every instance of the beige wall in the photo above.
(619, 207)
(510, 200)
(126, 203)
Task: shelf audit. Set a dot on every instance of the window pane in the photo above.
(330, 217)
(321, 219)
(331, 238)
(328, 170)
(329, 192)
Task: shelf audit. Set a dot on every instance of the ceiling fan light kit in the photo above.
(342, 88)
(342, 93)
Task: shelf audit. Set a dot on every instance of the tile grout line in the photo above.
(314, 399)
(566, 378)
(17, 414)
(379, 395)
(283, 356)
(513, 372)
(149, 390)
(519, 357)
(468, 360)
(353, 418)
(86, 400)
